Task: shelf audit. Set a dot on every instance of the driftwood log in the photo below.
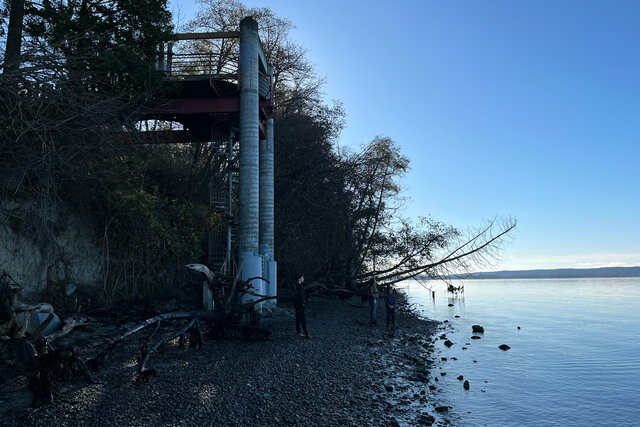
(34, 356)
(145, 373)
(39, 359)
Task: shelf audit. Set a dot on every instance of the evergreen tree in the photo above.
(109, 44)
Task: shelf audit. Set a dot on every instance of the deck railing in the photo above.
(205, 55)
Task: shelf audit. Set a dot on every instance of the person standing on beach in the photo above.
(298, 304)
(390, 304)
(373, 300)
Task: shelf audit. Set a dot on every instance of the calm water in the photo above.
(575, 361)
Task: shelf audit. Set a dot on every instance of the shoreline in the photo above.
(349, 373)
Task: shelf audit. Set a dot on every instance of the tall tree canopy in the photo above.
(113, 42)
(295, 81)
(88, 68)
(337, 212)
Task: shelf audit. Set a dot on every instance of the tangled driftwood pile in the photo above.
(29, 353)
(60, 354)
(43, 359)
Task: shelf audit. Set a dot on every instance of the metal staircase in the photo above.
(221, 199)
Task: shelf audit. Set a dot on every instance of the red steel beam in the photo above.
(159, 137)
(201, 36)
(196, 106)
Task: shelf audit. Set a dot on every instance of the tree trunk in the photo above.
(14, 37)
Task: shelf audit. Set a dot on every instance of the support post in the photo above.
(228, 268)
(248, 192)
(169, 65)
(267, 211)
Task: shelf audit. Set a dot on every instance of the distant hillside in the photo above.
(559, 273)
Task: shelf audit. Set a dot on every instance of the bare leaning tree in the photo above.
(348, 214)
(380, 243)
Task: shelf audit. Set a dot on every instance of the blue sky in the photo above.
(523, 109)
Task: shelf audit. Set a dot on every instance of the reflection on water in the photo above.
(574, 361)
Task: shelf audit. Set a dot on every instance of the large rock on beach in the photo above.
(36, 319)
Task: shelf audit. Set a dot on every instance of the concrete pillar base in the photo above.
(271, 274)
(252, 267)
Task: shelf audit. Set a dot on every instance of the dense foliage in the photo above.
(87, 70)
(110, 43)
(87, 73)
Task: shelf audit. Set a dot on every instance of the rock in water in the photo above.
(477, 329)
(425, 420)
(441, 409)
(460, 377)
(448, 343)
(466, 385)
(476, 337)
(504, 347)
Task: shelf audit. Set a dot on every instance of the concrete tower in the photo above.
(255, 194)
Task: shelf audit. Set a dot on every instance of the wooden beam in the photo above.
(205, 36)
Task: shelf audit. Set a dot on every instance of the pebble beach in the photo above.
(348, 373)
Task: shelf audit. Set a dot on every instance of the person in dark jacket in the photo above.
(372, 293)
(390, 304)
(298, 304)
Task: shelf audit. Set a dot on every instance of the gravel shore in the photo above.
(348, 373)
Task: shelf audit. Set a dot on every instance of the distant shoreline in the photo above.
(561, 273)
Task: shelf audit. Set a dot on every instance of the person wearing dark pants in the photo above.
(298, 304)
(372, 294)
(390, 304)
